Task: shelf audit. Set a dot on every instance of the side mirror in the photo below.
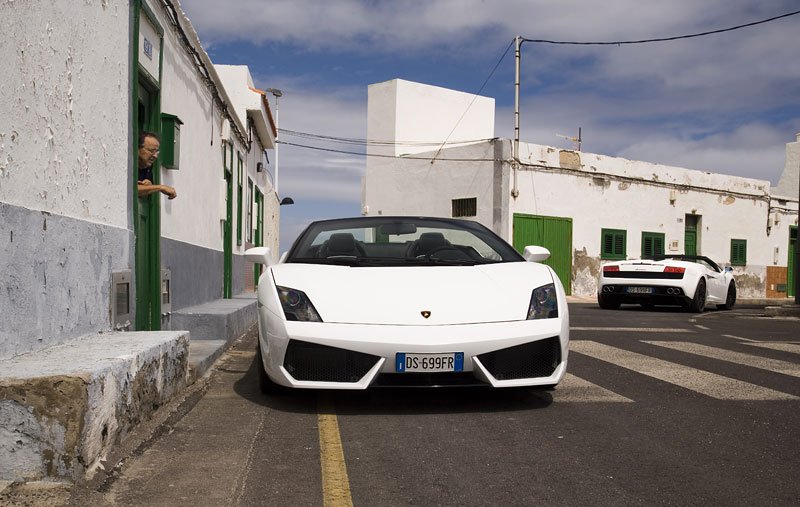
(536, 253)
(728, 269)
(259, 255)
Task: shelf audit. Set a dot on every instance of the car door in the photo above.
(717, 288)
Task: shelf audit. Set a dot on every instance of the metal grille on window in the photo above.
(467, 207)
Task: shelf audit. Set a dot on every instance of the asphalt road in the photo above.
(658, 408)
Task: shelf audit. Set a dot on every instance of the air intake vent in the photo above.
(530, 360)
(319, 363)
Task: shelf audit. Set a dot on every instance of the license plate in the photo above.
(407, 362)
(640, 290)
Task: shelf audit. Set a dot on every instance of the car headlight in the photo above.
(544, 303)
(296, 305)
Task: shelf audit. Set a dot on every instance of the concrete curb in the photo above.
(213, 327)
(65, 407)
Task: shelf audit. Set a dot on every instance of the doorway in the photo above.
(690, 234)
(147, 224)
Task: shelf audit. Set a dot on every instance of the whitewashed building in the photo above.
(584, 207)
(81, 253)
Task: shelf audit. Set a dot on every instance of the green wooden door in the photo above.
(147, 224)
(553, 233)
(690, 240)
(227, 247)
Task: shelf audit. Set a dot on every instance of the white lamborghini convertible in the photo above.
(408, 301)
(691, 281)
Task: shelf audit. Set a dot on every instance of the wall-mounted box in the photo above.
(166, 292)
(170, 141)
(121, 311)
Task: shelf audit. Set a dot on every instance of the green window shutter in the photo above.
(652, 244)
(613, 244)
(738, 252)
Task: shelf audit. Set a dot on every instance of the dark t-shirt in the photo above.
(146, 173)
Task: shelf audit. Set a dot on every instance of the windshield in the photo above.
(400, 241)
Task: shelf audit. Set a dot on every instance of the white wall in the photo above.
(422, 117)
(65, 168)
(194, 216)
(64, 134)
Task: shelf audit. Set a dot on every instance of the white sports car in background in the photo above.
(396, 301)
(691, 281)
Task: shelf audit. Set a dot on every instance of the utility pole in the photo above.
(515, 161)
(797, 242)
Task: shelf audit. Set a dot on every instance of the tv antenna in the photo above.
(576, 140)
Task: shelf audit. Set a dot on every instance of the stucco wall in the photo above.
(64, 134)
(64, 169)
(429, 115)
(399, 186)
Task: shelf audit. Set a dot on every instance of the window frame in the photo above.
(613, 233)
(738, 252)
(646, 235)
(462, 207)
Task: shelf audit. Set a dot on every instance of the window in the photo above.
(652, 244)
(613, 244)
(239, 196)
(465, 207)
(738, 252)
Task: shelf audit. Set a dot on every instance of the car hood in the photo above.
(399, 295)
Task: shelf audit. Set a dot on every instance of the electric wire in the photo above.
(496, 65)
(662, 39)
(395, 143)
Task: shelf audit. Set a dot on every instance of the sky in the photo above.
(725, 103)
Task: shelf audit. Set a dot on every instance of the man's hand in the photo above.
(169, 191)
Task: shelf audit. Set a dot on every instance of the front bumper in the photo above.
(349, 356)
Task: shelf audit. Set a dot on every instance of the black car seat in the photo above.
(427, 242)
(341, 243)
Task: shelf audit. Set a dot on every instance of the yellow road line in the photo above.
(335, 484)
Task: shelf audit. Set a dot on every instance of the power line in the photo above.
(473, 100)
(369, 142)
(662, 39)
(380, 155)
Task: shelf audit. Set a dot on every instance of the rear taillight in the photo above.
(609, 269)
(674, 269)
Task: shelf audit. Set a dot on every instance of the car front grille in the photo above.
(529, 360)
(320, 363)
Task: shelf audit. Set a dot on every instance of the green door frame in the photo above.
(227, 247)
(147, 220)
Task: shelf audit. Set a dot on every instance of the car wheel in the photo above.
(265, 384)
(607, 303)
(698, 303)
(730, 299)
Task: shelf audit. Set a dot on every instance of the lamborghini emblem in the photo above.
(425, 313)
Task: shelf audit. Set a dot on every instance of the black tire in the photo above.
(730, 299)
(698, 303)
(607, 303)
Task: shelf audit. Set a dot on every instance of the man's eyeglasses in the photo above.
(151, 150)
